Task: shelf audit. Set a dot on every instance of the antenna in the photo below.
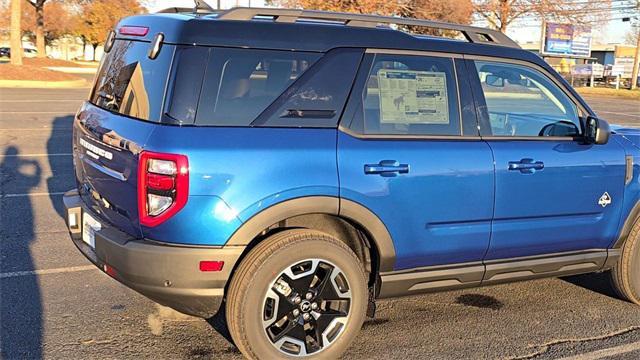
(202, 6)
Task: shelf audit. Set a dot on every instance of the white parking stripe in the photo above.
(35, 129)
(617, 113)
(47, 271)
(32, 194)
(36, 155)
(38, 112)
(604, 353)
(37, 101)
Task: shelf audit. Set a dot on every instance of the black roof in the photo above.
(316, 31)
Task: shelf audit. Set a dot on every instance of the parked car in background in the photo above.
(281, 170)
(30, 52)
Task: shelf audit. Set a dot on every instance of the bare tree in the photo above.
(502, 13)
(16, 32)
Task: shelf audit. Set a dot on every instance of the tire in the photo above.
(625, 275)
(259, 308)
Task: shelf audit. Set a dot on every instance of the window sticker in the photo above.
(413, 97)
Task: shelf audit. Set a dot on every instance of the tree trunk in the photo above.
(95, 47)
(16, 32)
(84, 48)
(505, 10)
(42, 50)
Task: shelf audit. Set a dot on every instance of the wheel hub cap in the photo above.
(306, 307)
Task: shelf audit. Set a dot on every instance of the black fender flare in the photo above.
(347, 209)
(631, 219)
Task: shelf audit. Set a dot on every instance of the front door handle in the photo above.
(386, 168)
(526, 166)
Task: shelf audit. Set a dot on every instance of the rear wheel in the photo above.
(625, 275)
(300, 293)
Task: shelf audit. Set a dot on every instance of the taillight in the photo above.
(163, 186)
(133, 30)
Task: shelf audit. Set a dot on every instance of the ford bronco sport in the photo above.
(281, 170)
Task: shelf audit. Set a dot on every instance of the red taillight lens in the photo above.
(134, 30)
(163, 186)
(160, 182)
(211, 265)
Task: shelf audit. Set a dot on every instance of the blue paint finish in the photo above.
(205, 220)
(128, 137)
(630, 140)
(251, 169)
(555, 209)
(437, 213)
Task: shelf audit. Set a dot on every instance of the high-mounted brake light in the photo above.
(163, 186)
(134, 30)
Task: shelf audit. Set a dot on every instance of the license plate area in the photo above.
(89, 228)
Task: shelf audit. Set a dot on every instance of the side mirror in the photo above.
(493, 80)
(597, 131)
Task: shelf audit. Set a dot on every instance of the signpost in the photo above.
(566, 40)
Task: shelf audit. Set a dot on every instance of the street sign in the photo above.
(566, 40)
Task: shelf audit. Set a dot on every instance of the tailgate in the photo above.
(106, 148)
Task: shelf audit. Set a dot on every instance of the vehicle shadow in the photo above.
(597, 282)
(21, 324)
(60, 142)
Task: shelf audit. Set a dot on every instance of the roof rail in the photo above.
(471, 33)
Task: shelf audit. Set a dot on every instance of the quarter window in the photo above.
(410, 95)
(521, 101)
(241, 83)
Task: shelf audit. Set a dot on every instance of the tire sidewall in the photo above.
(252, 298)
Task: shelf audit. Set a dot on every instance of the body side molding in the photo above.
(466, 275)
(350, 210)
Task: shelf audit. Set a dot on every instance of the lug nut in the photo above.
(306, 316)
(297, 300)
(296, 312)
(314, 306)
(309, 296)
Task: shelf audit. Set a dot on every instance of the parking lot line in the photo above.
(35, 129)
(618, 113)
(37, 112)
(37, 101)
(605, 353)
(47, 271)
(32, 194)
(36, 155)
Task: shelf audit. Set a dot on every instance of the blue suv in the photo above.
(280, 170)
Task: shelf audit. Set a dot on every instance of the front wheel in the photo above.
(625, 275)
(299, 293)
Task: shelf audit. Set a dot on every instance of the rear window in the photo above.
(131, 84)
(240, 83)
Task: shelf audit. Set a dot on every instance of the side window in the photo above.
(190, 64)
(522, 101)
(409, 95)
(241, 83)
(318, 97)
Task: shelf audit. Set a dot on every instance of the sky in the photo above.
(613, 33)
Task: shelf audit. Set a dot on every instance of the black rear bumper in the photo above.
(167, 274)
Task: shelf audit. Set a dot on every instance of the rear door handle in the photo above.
(386, 168)
(526, 166)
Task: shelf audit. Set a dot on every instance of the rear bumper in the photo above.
(168, 275)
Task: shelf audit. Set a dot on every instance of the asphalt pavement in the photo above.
(54, 304)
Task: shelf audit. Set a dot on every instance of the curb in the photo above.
(82, 83)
